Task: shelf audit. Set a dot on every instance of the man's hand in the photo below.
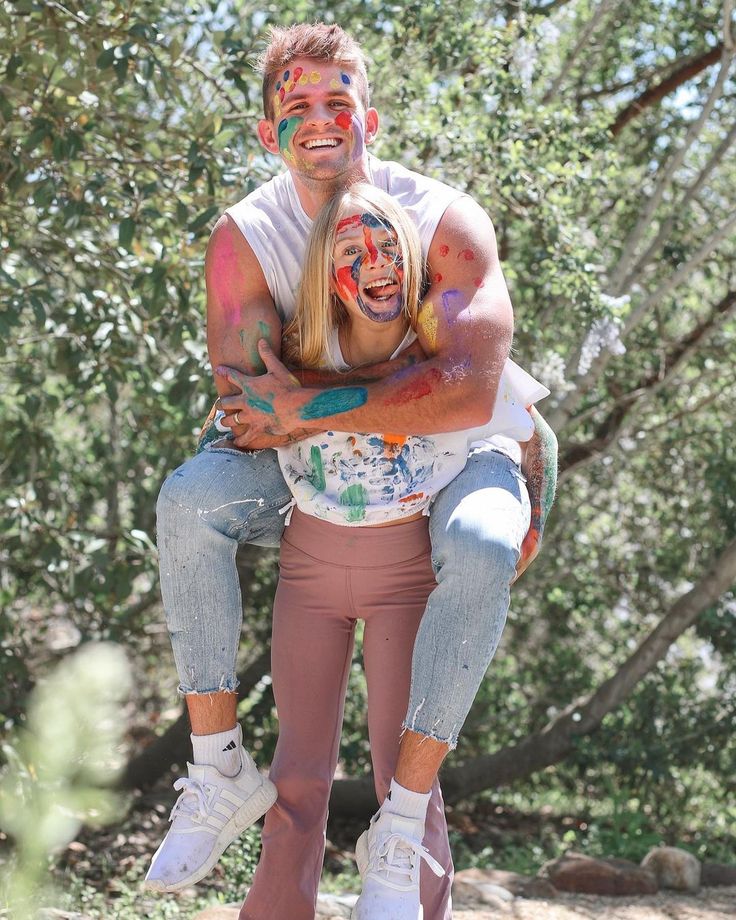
(261, 409)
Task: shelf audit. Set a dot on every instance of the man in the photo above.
(318, 119)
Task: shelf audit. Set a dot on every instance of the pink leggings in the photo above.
(331, 576)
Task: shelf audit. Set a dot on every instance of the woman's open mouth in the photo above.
(381, 290)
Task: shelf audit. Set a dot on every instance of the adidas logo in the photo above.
(230, 747)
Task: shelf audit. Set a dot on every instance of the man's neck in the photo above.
(315, 193)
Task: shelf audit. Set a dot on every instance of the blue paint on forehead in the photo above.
(345, 79)
(286, 75)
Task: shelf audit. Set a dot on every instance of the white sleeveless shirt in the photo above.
(275, 224)
(359, 480)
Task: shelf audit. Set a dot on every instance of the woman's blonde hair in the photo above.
(318, 309)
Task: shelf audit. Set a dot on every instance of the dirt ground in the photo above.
(708, 904)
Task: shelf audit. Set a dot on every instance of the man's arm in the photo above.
(240, 312)
(465, 325)
(539, 463)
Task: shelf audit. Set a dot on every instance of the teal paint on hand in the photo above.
(316, 476)
(258, 402)
(354, 498)
(333, 402)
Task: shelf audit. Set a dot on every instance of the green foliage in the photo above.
(126, 128)
(61, 765)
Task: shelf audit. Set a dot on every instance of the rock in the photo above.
(332, 906)
(673, 868)
(219, 912)
(579, 873)
(717, 874)
(521, 886)
(335, 905)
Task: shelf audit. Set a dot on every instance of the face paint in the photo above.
(428, 324)
(348, 277)
(286, 131)
(466, 254)
(289, 80)
(444, 250)
(437, 278)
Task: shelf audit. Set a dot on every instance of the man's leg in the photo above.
(477, 525)
(215, 501)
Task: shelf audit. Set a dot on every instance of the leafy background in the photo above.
(599, 136)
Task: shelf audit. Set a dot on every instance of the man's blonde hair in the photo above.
(318, 309)
(319, 41)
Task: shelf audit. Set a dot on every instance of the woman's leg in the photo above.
(393, 601)
(311, 652)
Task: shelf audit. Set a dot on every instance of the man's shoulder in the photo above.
(399, 180)
(262, 202)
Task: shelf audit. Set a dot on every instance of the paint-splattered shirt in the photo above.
(366, 479)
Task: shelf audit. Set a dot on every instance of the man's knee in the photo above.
(487, 555)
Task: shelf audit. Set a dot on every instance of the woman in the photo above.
(357, 547)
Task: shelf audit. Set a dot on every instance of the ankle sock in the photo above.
(221, 750)
(401, 801)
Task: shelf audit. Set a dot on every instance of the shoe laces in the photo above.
(397, 854)
(193, 800)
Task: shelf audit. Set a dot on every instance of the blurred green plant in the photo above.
(59, 767)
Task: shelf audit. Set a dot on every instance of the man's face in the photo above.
(320, 127)
(367, 270)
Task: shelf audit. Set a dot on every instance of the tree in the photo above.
(598, 136)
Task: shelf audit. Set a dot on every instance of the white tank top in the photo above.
(359, 480)
(275, 224)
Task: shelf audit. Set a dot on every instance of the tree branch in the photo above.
(690, 68)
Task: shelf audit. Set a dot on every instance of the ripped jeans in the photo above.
(223, 497)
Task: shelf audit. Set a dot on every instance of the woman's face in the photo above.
(367, 271)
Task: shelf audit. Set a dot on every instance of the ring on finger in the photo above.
(236, 418)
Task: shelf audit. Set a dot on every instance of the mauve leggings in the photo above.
(331, 576)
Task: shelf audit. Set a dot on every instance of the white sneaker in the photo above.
(210, 813)
(389, 856)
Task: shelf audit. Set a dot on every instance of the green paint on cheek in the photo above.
(286, 131)
(354, 498)
(317, 475)
(333, 402)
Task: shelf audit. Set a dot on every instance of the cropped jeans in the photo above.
(223, 497)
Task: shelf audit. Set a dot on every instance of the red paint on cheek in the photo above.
(346, 286)
(444, 250)
(466, 254)
(437, 278)
(344, 121)
(478, 282)
(416, 389)
(370, 245)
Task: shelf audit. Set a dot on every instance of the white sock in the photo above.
(221, 750)
(404, 802)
